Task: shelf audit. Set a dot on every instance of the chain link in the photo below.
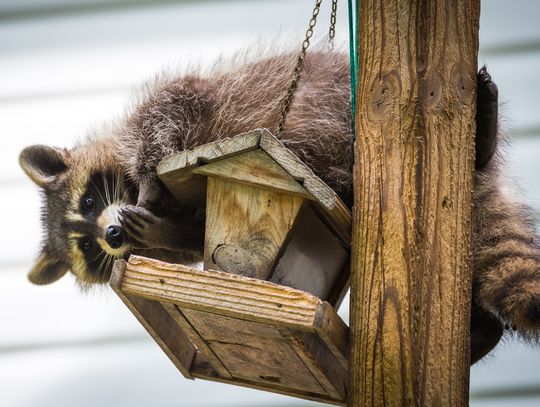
(287, 99)
(332, 29)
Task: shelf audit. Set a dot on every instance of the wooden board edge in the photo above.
(208, 170)
(184, 366)
(320, 362)
(337, 213)
(333, 332)
(273, 389)
(176, 313)
(207, 290)
(207, 153)
(340, 288)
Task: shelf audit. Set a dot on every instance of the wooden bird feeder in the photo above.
(276, 266)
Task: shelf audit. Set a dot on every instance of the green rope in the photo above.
(353, 57)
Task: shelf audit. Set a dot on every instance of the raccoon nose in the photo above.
(113, 236)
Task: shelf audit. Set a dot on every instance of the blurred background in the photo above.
(69, 65)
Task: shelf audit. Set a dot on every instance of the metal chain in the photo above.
(287, 99)
(332, 29)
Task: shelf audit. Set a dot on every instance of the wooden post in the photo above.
(411, 269)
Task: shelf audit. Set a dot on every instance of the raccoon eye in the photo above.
(87, 245)
(89, 202)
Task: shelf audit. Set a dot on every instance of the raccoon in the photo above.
(104, 201)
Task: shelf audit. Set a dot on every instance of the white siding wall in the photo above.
(65, 67)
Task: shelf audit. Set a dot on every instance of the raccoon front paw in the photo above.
(145, 230)
(487, 111)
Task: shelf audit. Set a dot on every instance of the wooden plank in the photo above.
(320, 361)
(334, 332)
(178, 166)
(261, 220)
(214, 327)
(339, 216)
(414, 164)
(178, 169)
(275, 388)
(313, 259)
(163, 329)
(177, 315)
(263, 335)
(222, 293)
(255, 168)
(266, 361)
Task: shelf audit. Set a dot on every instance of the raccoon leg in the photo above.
(487, 106)
(150, 193)
(486, 331)
(149, 231)
(506, 256)
(506, 261)
(486, 327)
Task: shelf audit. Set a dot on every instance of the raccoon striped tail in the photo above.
(506, 258)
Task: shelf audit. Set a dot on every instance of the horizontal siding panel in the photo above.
(44, 316)
(135, 375)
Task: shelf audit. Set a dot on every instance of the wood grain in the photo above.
(210, 357)
(179, 174)
(334, 210)
(226, 294)
(320, 361)
(262, 221)
(241, 330)
(411, 279)
(161, 327)
(189, 188)
(255, 168)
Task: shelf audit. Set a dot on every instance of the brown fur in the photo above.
(181, 112)
(176, 113)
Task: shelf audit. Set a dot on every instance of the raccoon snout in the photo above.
(114, 236)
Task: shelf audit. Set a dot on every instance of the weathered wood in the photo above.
(178, 165)
(338, 215)
(333, 332)
(188, 187)
(321, 398)
(322, 363)
(259, 352)
(179, 174)
(158, 324)
(245, 331)
(255, 168)
(313, 259)
(411, 282)
(178, 316)
(246, 227)
(226, 294)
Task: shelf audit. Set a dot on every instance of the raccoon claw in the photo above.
(145, 230)
(138, 217)
(486, 118)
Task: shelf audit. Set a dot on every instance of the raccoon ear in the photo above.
(47, 270)
(42, 163)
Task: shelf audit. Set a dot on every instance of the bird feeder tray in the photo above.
(261, 313)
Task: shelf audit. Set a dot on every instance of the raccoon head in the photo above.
(83, 190)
